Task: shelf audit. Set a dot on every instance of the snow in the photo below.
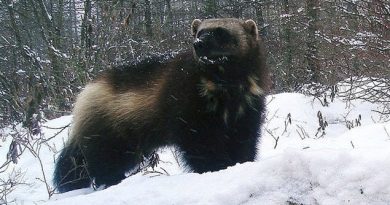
(338, 166)
(286, 15)
(20, 72)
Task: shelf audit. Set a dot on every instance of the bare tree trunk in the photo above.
(148, 19)
(313, 65)
(30, 57)
(75, 32)
(287, 59)
(85, 26)
(60, 23)
(51, 36)
(260, 20)
(19, 42)
(211, 8)
(52, 30)
(169, 21)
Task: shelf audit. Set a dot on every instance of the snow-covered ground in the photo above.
(297, 164)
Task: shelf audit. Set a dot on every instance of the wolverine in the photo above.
(208, 102)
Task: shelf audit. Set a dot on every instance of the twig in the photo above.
(387, 132)
(56, 134)
(303, 134)
(273, 136)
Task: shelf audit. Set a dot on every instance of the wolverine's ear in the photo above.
(251, 28)
(194, 26)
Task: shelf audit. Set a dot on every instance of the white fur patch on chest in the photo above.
(206, 87)
(254, 88)
(247, 92)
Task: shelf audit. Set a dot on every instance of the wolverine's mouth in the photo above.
(213, 60)
(216, 57)
(212, 53)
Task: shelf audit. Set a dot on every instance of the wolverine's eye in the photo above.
(223, 36)
(222, 33)
(200, 33)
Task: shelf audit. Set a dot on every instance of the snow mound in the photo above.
(295, 176)
(309, 154)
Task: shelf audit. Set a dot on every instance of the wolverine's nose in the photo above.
(201, 47)
(199, 44)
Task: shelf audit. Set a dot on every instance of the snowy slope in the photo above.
(336, 166)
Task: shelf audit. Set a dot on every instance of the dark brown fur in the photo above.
(210, 110)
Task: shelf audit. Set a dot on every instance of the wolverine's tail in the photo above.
(70, 172)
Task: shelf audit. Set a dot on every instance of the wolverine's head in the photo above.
(221, 40)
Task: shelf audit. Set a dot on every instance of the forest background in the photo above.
(49, 49)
